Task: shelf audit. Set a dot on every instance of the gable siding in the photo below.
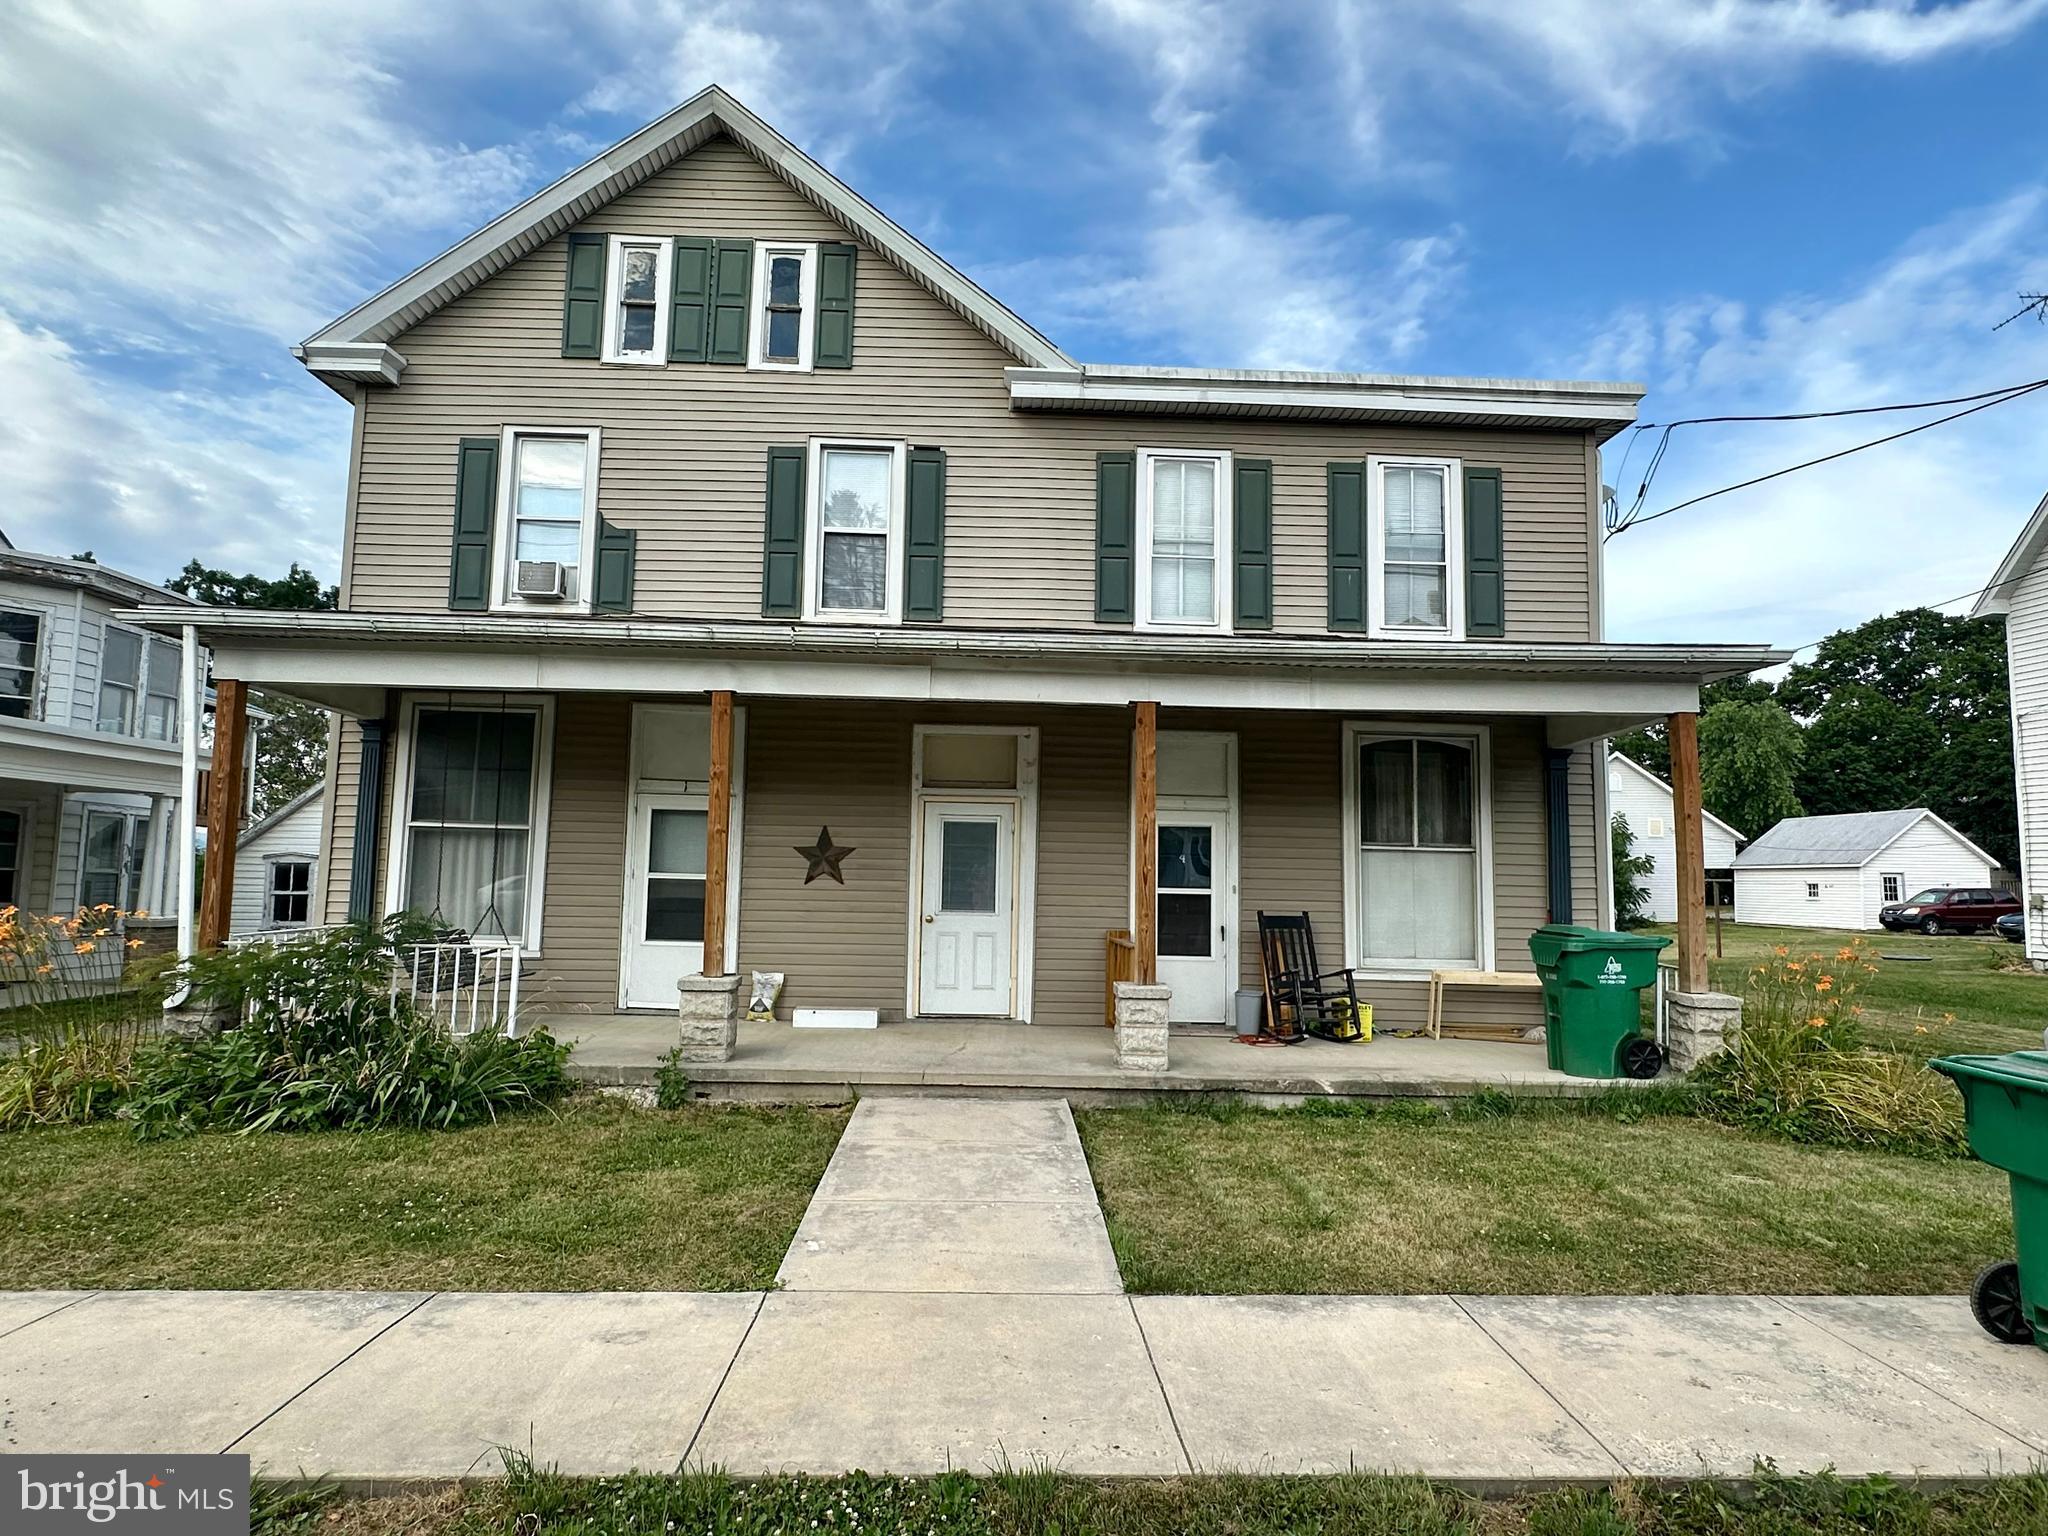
(1928, 854)
(2026, 650)
(1634, 796)
(685, 446)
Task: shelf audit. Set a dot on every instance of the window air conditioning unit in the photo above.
(540, 579)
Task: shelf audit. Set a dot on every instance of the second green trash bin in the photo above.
(1591, 1012)
(2005, 1101)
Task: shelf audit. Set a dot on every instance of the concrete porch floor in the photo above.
(781, 1062)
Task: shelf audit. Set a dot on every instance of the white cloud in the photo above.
(1917, 521)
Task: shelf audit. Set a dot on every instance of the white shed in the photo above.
(1836, 871)
(1635, 792)
(2019, 594)
(277, 865)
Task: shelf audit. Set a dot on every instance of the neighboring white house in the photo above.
(1635, 792)
(277, 869)
(1836, 871)
(2019, 594)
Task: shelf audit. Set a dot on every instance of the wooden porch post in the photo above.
(1145, 828)
(1689, 868)
(717, 828)
(223, 810)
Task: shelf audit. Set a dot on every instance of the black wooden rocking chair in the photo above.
(1302, 998)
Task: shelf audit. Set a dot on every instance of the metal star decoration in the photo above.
(824, 857)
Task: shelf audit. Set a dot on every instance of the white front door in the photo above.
(967, 909)
(664, 898)
(1195, 920)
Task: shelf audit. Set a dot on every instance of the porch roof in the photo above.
(346, 660)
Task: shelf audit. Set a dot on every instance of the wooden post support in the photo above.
(224, 800)
(1145, 827)
(1689, 868)
(717, 829)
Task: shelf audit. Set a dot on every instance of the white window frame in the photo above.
(765, 251)
(1813, 890)
(505, 545)
(397, 841)
(24, 812)
(1225, 522)
(1891, 888)
(615, 287)
(37, 670)
(170, 737)
(134, 830)
(1480, 739)
(134, 730)
(1376, 466)
(815, 610)
(271, 865)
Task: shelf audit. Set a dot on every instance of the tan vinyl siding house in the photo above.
(1044, 559)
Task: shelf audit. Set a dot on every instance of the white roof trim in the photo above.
(632, 160)
(1629, 762)
(369, 362)
(1995, 601)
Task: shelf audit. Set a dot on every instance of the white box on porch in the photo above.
(836, 1018)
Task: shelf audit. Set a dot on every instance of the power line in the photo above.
(1632, 520)
(1960, 597)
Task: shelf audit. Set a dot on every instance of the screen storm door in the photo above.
(1194, 915)
(664, 898)
(967, 909)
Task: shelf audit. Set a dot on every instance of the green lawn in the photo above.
(1999, 1003)
(1041, 1503)
(1243, 1201)
(601, 1197)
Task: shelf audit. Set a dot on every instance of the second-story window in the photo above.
(160, 690)
(785, 304)
(1183, 521)
(120, 679)
(636, 325)
(855, 526)
(547, 515)
(1415, 549)
(21, 636)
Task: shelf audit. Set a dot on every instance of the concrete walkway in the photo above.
(951, 1300)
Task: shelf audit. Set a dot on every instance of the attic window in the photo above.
(785, 306)
(636, 322)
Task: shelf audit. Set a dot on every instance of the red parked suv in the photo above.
(1959, 909)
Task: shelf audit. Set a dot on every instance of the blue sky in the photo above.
(1748, 206)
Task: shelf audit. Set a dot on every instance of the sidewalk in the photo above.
(950, 1301)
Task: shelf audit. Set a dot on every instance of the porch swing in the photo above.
(466, 967)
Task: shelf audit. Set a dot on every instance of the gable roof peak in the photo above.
(357, 345)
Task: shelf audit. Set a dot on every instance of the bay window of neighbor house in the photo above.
(111, 859)
(120, 679)
(21, 636)
(1419, 864)
(470, 812)
(855, 527)
(160, 690)
(1415, 549)
(1184, 513)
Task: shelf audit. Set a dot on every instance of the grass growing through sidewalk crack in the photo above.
(1506, 1198)
(529, 1503)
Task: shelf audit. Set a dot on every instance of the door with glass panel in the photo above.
(665, 898)
(967, 909)
(1194, 915)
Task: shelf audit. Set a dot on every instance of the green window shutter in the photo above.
(583, 298)
(732, 296)
(1116, 537)
(833, 346)
(782, 560)
(1251, 511)
(689, 299)
(924, 541)
(1348, 596)
(612, 589)
(476, 511)
(1486, 612)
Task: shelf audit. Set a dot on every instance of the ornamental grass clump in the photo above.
(323, 1040)
(76, 1001)
(1801, 1068)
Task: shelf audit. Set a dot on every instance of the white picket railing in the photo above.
(457, 983)
(1667, 983)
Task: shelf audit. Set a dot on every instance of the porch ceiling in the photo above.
(346, 660)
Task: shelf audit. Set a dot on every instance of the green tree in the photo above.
(291, 753)
(1631, 869)
(1749, 764)
(1911, 709)
(1646, 743)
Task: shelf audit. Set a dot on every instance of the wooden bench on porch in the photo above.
(1441, 982)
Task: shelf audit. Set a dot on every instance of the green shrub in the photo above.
(671, 1081)
(324, 1041)
(68, 1073)
(1800, 1068)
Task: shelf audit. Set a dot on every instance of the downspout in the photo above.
(188, 793)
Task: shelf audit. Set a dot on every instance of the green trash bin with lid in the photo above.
(1592, 1013)
(2005, 1101)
